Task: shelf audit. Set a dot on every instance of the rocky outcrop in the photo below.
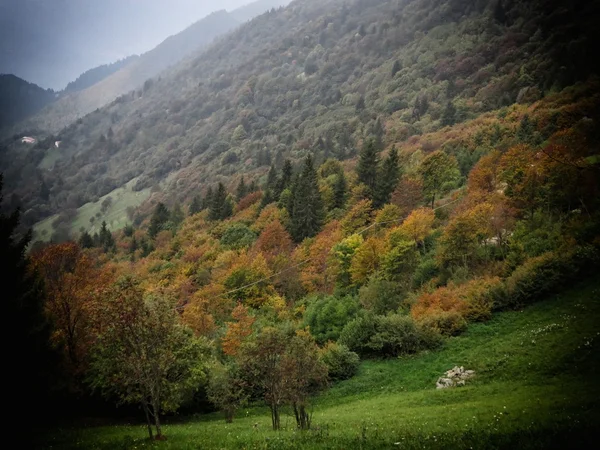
(454, 377)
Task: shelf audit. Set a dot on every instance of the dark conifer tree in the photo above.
(220, 207)
(284, 182)
(387, 179)
(195, 206)
(340, 189)
(367, 166)
(208, 199)
(449, 115)
(242, 190)
(306, 212)
(85, 240)
(159, 219)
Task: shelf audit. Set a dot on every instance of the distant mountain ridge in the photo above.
(19, 99)
(97, 74)
(135, 71)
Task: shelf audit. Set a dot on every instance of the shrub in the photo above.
(387, 336)
(237, 236)
(381, 296)
(340, 361)
(540, 275)
(447, 323)
(326, 316)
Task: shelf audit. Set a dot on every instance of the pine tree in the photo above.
(207, 199)
(307, 212)
(159, 218)
(177, 215)
(106, 239)
(85, 240)
(387, 179)
(270, 190)
(242, 190)
(253, 187)
(220, 207)
(397, 67)
(340, 189)
(449, 115)
(286, 178)
(367, 166)
(195, 206)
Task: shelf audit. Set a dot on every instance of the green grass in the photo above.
(115, 216)
(535, 388)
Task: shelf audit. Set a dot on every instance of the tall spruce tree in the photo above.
(242, 190)
(449, 115)
(28, 335)
(220, 207)
(207, 201)
(160, 217)
(340, 191)
(307, 211)
(387, 179)
(195, 206)
(368, 162)
(105, 239)
(285, 180)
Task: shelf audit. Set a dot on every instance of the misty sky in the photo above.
(51, 42)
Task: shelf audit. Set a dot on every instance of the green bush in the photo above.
(381, 296)
(237, 236)
(542, 274)
(387, 336)
(447, 323)
(425, 271)
(341, 362)
(326, 316)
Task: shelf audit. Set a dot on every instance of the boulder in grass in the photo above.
(457, 376)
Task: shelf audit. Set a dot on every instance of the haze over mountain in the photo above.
(50, 43)
(100, 85)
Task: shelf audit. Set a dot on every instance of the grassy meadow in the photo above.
(535, 387)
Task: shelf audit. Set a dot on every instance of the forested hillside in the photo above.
(332, 186)
(337, 73)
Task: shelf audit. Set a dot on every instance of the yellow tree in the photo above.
(366, 260)
(418, 225)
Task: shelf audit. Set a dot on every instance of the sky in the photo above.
(51, 42)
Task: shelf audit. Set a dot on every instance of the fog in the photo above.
(51, 42)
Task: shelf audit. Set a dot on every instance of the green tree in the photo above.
(195, 206)
(208, 198)
(284, 182)
(449, 115)
(368, 161)
(28, 336)
(105, 239)
(387, 179)
(220, 207)
(340, 191)
(242, 190)
(397, 67)
(437, 171)
(227, 389)
(85, 240)
(177, 216)
(160, 217)
(144, 355)
(307, 212)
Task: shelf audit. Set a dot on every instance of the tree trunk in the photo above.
(157, 421)
(275, 417)
(148, 422)
(433, 201)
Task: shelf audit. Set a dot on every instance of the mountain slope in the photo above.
(20, 99)
(97, 74)
(315, 76)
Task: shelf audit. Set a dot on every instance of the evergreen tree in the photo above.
(242, 190)
(270, 190)
(44, 191)
(85, 240)
(397, 67)
(449, 115)
(195, 206)
(360, 104)
(367, 166)
(159, 218)
(307, 212)
(387, 179)
(134, 245)
(28, 334)
(340, 189)
(128, 230)
(220, 207)
(106, 239)
(208, 198)
(253, 187)
(285, 180)
(177, 215)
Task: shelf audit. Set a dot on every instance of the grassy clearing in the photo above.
(535, 388)
(115, 216)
